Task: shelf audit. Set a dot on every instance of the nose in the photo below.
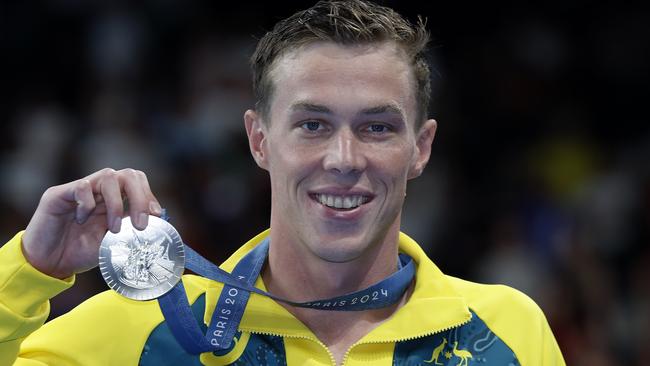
(344, 153)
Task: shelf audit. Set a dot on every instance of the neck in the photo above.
(295, 273)
(292, 266)
(298, 276)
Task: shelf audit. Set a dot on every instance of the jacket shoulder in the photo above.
(494, 300)
(515, 318)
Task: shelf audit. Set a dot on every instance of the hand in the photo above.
(63, 236)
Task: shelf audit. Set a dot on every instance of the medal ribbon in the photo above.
(237, 288)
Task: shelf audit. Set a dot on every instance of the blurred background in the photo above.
(540, 173)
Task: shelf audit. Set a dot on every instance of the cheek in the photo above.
(290, 164)
(394, 161)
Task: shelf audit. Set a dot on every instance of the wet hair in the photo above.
(344, 22)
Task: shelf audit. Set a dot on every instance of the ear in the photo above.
(424, 139)
(255, 129)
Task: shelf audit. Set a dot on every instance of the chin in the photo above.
(338, 250)
(338, 256)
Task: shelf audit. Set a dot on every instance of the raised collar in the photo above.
(434, 305)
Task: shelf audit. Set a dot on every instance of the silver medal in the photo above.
(142, 265)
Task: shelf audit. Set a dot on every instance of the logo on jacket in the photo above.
(462, 354)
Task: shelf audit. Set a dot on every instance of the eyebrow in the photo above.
(310, 107)
(386, 108)
(380, 109)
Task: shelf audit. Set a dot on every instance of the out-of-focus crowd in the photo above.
(540, 174)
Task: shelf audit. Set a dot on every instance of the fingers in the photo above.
(82, 194)
(113, 189)
(110, 192)
(154, 206)
(131, 184)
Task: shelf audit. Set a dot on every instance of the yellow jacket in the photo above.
(446, 321)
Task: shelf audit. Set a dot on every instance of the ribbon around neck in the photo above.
(238, 286)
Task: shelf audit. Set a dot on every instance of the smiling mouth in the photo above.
(340, 202)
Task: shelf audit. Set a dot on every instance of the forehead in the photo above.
(344, 77)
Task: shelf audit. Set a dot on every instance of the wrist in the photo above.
(41, 262)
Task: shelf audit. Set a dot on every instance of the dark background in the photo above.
(540, 173)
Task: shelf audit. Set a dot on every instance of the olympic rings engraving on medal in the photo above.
(142, 265)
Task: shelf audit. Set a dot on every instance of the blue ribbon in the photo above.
(237, 288)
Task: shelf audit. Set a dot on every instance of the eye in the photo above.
(377, 128)
(312, 126)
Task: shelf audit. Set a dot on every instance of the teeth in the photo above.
(338, 202)
(346, 202)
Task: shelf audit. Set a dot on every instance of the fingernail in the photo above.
(142, 220)
(155, 208)
(117, 224)
(78, 213)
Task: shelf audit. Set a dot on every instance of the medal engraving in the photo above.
(142, 265)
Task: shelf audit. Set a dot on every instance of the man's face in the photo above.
(339, 146)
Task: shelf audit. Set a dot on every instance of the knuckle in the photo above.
(49, 193)
(141, 174)
(108, 173)
(83, 184)
(80, 188)
(129, 172)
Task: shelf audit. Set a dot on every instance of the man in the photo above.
(341, 126)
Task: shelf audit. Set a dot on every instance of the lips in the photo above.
(341, 201)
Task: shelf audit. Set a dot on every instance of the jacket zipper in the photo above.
(345, 356)
(329, 353)
(465, 321)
